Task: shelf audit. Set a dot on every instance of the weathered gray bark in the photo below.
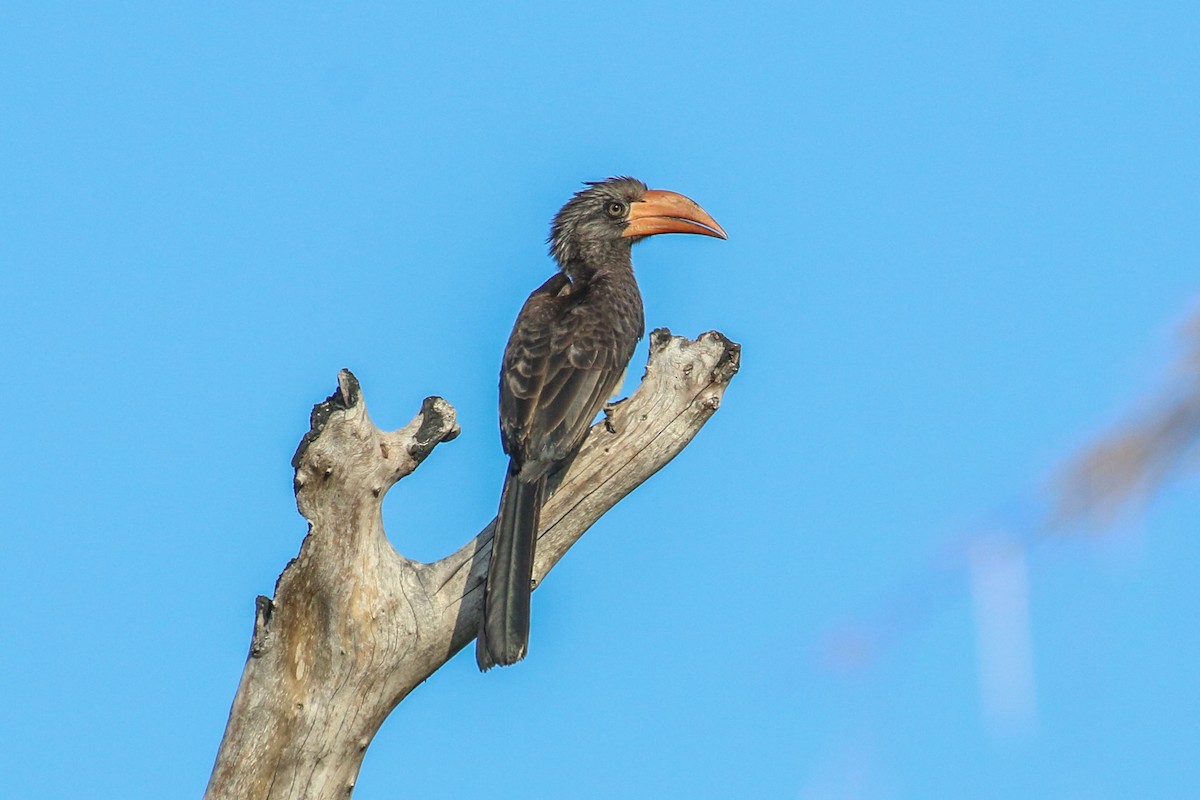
(354, 626)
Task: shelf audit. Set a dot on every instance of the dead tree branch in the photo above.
(354, 626)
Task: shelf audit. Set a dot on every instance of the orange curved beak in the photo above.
(660, 211)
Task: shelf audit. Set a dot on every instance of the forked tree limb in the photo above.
(354, 626)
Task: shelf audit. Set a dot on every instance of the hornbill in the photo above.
(565, 358)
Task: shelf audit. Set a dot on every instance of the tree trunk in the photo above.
(354, 626)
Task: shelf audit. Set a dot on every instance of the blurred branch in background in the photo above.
(1126, 466)
(1121, 470)
(1003, 637)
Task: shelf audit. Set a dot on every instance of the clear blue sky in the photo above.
(959, 239)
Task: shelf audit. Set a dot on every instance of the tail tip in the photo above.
(486, 658)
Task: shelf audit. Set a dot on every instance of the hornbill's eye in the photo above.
(616, 210)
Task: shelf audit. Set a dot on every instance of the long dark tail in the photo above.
(504, 633)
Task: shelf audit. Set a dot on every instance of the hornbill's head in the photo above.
(602, 221)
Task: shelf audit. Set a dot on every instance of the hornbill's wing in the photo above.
(562, 362)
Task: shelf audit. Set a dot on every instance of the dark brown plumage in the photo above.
(565, 357)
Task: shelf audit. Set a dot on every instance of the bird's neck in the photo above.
(609, 264)
(608, 288)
